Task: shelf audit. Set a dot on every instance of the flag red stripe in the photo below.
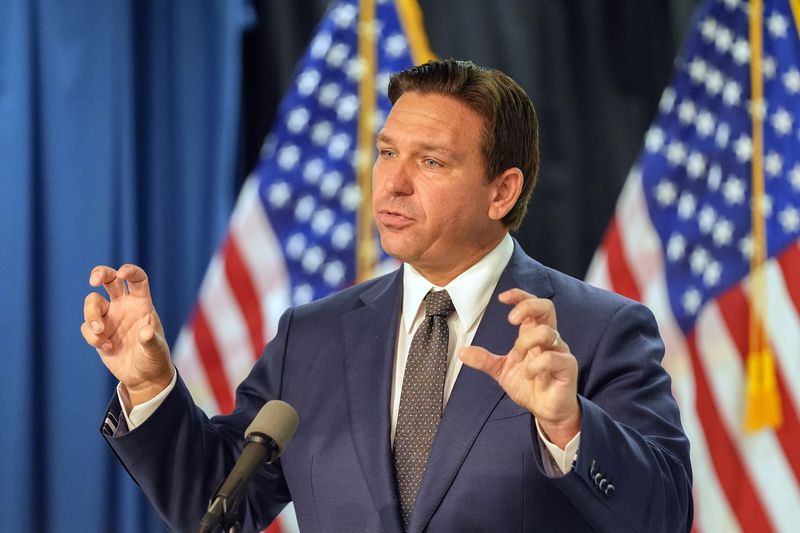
(212, 363)
(728, 466)
(622, 279)
(241, 284)
(274, 527)
(735, 308)
(789, 262)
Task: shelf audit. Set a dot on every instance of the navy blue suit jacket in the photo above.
(333, 361)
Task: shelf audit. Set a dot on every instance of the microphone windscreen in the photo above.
(277, 420)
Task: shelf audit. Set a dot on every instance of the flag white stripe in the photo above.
(262, 255)
(641, 246)
(187, 360)
(640, 241)
(226, 323)
(761, 452)
(597, 274)
(712, 510)
(784, 331)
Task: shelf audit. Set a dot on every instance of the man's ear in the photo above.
(506, 188)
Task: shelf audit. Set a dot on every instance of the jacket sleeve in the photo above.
(632, 471)
(179, 456)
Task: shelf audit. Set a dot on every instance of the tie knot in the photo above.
(438, 303)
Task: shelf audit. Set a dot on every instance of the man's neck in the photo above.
(441, 277)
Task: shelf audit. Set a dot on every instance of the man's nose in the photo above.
(397, 178)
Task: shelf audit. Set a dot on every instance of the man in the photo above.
(560, 419)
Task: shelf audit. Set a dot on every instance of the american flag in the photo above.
(682, 241)
(294, 232)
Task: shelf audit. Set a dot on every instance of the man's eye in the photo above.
(432, 163)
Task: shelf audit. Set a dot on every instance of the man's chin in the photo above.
(394, 247)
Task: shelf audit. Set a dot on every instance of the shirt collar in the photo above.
(470, 290)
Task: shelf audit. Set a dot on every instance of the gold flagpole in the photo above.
(411, 20)
(366, 247)
(763, 409)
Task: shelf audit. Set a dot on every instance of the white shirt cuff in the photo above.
(140, 413)
(562, 458)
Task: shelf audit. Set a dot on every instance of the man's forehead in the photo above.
(430, 121)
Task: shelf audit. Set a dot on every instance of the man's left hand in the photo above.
(539, 373)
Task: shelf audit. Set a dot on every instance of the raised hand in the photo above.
(127, 332)
(539, 373)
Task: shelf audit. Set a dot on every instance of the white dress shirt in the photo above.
(470, 292)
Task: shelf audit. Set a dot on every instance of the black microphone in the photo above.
(266, 438)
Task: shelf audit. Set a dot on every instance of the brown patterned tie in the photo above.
(421, 399)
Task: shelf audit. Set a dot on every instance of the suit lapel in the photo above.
(475, 394)
(370, 339)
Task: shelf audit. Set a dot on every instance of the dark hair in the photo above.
(511, 131)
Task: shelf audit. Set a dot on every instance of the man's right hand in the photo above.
(127, 332)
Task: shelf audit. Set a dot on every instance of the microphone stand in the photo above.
(223, 510)
(220, 513)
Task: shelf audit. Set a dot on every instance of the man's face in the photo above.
(430, 194)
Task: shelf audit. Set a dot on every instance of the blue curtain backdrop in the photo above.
(118, 122)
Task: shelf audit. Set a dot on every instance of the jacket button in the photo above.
(597, 477)
(610, 490)
(603, 483)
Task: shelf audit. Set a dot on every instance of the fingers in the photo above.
(98, 341)
(151, 341)
(149, 335)
(543, 337)
(95, 308)
(107, 277)
(553, 364)
(128, 279)
(136, 279)
(93, 328)
(528, 308)
(514, 296)
(483, 360)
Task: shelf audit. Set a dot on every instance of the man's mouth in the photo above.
(393, 219)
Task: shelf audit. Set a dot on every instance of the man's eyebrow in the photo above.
(437, 148)
(420, 147)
